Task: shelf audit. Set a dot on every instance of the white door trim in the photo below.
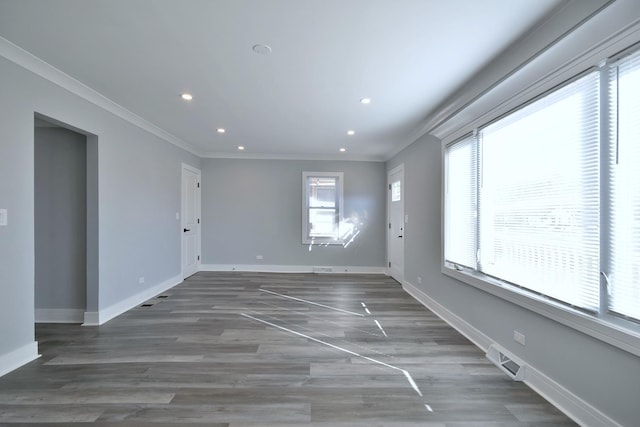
(399, 271)
(186, 167)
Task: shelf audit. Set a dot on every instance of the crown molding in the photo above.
(37, 66)
(311, 157)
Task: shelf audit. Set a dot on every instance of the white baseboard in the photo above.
(59, 315)
(571, 405)
(18, 357)
(91, 318)
(108, 313)
(293, 268)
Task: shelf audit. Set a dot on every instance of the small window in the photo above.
(396, 191)
(322, 207)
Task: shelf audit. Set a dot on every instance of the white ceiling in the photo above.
(299, 101)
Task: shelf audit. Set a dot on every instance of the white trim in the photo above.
(322, 157)
(571, 405)
(59, 315)
(342, 269)
(19, 357)
(91, 318)
(37, 66)
(108, 313)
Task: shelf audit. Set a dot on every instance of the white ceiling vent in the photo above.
(507, 363)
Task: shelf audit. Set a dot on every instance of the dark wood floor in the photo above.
(249, 349)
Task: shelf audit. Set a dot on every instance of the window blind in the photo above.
(624, 181)
(460, 202)
(539, 195)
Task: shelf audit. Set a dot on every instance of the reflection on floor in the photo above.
(257, 349)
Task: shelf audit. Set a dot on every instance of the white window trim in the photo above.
(617, 332)
(305, 219)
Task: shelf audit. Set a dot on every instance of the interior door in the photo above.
(396, 227)
(190, 220)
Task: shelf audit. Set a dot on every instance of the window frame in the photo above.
(339, 208)
(614, 330)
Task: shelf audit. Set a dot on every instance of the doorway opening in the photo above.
(65, 223)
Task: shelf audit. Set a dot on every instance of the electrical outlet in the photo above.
(519, 337)
(419, 280)
(141, 280)
(258, 256)
(3, 217)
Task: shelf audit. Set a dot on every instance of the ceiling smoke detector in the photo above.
(261, 49)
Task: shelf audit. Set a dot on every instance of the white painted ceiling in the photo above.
(299, 101)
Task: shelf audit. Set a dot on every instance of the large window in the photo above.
(547, 198)
(322, 207)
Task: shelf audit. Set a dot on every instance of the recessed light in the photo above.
(261, 49)
(342, 150)
(365, 101)
(351, 132)
(221, 130)
(240, 147)
(186, 96)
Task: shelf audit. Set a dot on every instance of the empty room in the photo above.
(320, 213)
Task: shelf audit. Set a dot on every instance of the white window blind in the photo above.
(539, 195)
(624, 131)
(460, 202)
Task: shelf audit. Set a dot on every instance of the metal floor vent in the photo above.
(507, 363)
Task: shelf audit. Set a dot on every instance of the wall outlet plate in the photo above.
(3, 217)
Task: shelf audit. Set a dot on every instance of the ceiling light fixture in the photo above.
(221, 130)
(241, 147)
(186, 96)
(351, 132)
(342, 150)
(365, 101)
(261, 49)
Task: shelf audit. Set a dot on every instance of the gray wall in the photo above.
(605, 377)
(138, 180)
(254, 207)
(60, 218)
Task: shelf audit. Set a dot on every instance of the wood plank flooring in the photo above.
(255, 349)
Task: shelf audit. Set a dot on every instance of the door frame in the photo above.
(400, 269)
(186, 167)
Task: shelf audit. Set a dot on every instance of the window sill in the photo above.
(617, 335)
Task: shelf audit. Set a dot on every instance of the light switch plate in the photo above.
(3, 217)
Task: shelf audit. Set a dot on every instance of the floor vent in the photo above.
(323, 269)
(510, 366)
(146, 305)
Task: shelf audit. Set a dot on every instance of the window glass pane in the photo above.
(460, 203)
(323, 223)
(624, 290)
(322, 192)
(539, 196)
(396, 191)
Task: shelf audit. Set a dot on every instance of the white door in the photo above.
(396, 226)
(190, 220)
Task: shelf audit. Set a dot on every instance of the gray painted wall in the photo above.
(605, 377)
(60, 219)
(139, 177)
(254, 207)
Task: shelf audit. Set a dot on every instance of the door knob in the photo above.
(186, 229)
